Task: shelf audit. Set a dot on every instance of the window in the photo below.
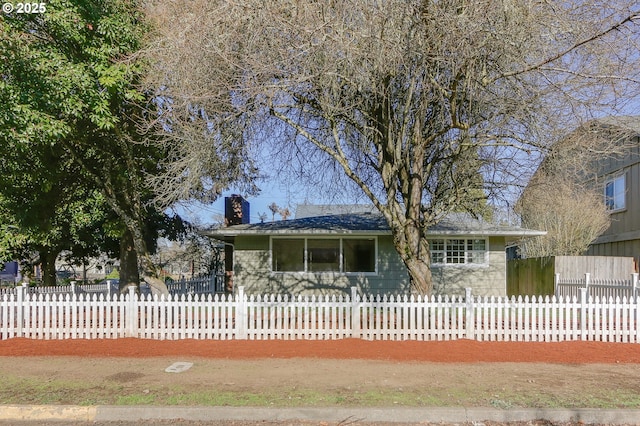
(323, 255)
(349, 255)
(458, 251)
(288, 255)
(614, 193)
(455, 251)
(359, 254)
(476, 251)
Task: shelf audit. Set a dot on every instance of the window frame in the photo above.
(341, 256)
(446, 242)
(622, 194)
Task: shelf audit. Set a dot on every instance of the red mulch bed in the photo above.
(456, 351)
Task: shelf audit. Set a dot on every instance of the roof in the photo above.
(457, 224)
(315, 210)
(628, 122)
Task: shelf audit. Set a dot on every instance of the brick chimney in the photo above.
(236, 210)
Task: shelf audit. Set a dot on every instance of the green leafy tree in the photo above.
(43, 200)
(68, 81)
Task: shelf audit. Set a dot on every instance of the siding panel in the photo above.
(252, 269)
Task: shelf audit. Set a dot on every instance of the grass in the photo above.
(14, 390)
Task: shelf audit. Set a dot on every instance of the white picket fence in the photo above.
(604, 289)
(85, 316)
(107, 288)
(200, 285)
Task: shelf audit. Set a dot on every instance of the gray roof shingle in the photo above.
(369, 224)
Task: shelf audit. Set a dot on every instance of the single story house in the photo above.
(330, 253)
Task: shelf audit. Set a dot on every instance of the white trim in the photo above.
(612, 180)
(465, 264)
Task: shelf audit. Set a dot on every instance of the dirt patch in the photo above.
(322, 373)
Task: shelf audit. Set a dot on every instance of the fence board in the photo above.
(92, 316)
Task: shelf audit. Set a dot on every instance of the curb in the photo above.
(375, 414)
(47, 412)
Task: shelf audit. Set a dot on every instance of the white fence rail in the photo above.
(52, 316)
(107, 288)
(203, 285)
(603, 289)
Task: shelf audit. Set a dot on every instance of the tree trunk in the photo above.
(147, 268)
(413, 248)
(420, 276)
(138, 263)
(48, 259)
(129, 274)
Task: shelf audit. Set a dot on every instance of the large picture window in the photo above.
(288, 254)
(614, 193)
(359, 254)
(323, 255)
(348, 255)
(458, 251)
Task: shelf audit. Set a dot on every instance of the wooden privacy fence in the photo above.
(51, 316)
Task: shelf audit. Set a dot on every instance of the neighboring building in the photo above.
(328, 253)
(10, 273)
(618, 178)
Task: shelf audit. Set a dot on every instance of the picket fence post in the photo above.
(634, 281)
(470, 314)
(21, 301)
(131, 313)
(355, 313)
(584, 300)
(556, 281)
(241, 314)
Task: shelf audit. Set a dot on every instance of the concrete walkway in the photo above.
(374, 414)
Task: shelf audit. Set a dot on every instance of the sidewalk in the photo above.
(375, 414)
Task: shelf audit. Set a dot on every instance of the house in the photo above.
(10, 273)
(609, 153)
(618, 178)
(328, 249)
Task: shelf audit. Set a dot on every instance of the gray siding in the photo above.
(489, 280)
(622, 238)
(252, 269)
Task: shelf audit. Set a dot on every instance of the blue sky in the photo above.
(283, 194)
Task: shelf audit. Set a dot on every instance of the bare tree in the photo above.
(564, 197)
(285, 213)
(572, 215)
(411, 100)
(274, 209)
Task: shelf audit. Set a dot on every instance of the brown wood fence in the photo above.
(535, 276)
